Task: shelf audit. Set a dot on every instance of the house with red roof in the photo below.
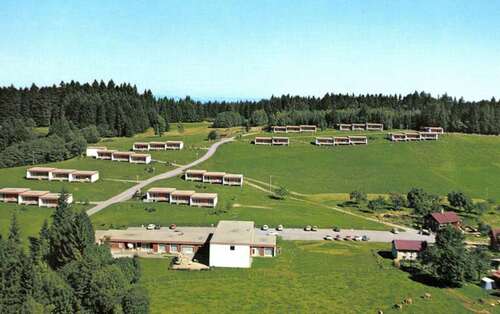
(436, 221)
(407, 249)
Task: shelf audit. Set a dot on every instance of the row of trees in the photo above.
(65, 271)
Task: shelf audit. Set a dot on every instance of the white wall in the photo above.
(222, 256)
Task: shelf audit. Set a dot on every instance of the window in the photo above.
(231, 247)
(268, 251)
(173, 247)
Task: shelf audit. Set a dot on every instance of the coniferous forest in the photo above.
(76, 114)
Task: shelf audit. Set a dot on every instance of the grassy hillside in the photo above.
(308, 277)
(456, 162)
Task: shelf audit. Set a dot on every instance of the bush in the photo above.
(227, 119)
(358, 197)
(213, 135)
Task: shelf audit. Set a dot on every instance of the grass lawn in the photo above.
(235, 203)
(468, 163)
(310, 277)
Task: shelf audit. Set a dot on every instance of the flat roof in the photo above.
(341, 137)
(107, 150)
(140, 155)
(44, 169)
(279, 126)
(411, 133)
(196, 171)
(214, 173)
(157, 143)
(34, 193)
(123, 153)
(232, 175)
(279, 138)
(97, 147)
(174, 142)
(308, 125)
(183, 192)
(358, 137)
(204, 195)
(234, 232)
(52, 196)
(13, 190)
(141, 143)
(263, 138)
(162, 190)
(85, 172)
(163, 235)
(63, 170)
(324, 138)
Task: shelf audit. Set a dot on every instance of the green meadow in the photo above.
(308, 277)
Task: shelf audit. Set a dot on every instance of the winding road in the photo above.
(129, 193)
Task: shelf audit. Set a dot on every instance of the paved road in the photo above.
(129, 193)
(374, 236)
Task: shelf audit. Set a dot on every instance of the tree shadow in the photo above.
(385, 254)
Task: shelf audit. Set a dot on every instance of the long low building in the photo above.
(181, 197)
(341, 140)
(294, 128)
(368, 126)
(413, 136)
(130, 157)
(230, 244)
(213, 177)
(433, 129)
(55, 174)
(275, 140)
(168, 145)
(25, 196)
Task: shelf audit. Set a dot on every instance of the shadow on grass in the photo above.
(385, 254)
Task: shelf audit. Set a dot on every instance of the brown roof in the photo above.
(41, 169)
(445, 217)
(140, 155)
(124, 153)
(409, 245)
(204, 195)
(162, 190)
(183, 193)
(13, 190)
(214, 173)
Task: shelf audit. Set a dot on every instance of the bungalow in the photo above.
(105, 154)
(181, 197)
(84, 176)
(140, 158)
(157, 146)
(61, 174)
(429, 136)
(39, 173)
(374, 126)
(358, 127)
(436, 221)
(412, 136)
(213, 177)
(345, 127)
(194, 175)
(203, 200)
(358, 140)
(494, 239)
(279, 129)
(31, 197)
(163, 241)
(92, 150)
(174, 145)
(141, 146)
(11, 195)
(407, 249)
(234, 243)
(433, 129)
(308, 128)
(121, 156)
(159, 194)
(341, 140)
(397, 137)
(327, 141)
(282, 141)
(52, 199)
(233, 179)
(292, 129)
(263, 141)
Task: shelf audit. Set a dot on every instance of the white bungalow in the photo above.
(412, 136)
(324, 141)
(308, 128)
(293, 129)
(39, 173)
(358, 140)
(174, 145)
(280, 141)
(61, 174)
(84, 176)
(194, 175)
(105, 154)
(121, 156)
(140, 146)
(263, 141)
(279, 129)
(31, 197)
(157, 146)
(358, 127)
(52, 199)
(397, 137)
(92, 150)
(233, 179)
(203, 200)
(433, 129)
(344, 127)
(429, 136)
(214, 177)
(159, 194)
(140, 158)
(11, 195)
(341, 140)
(181, 197)
(374, 126)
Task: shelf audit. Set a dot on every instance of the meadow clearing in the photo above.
(313, 277)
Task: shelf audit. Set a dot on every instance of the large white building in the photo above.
(235, 242)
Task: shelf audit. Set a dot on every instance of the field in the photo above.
(307, 277)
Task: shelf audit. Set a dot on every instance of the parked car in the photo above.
(157, 227)
(279, 228)
(365, 238)
(338, 238)
(426, 232)
(336, 229)
(307, 228)
(395, 230)
(314, 228)
(328, 237)
(348, 238)
(265, 227)
(358, 238)
(172, 226)
(150, 227)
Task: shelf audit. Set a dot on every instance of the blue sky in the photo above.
(253, 49)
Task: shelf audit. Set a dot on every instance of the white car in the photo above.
(358, 238)
(150, 227)
(328, 237)
(265, 227)
(279, 228)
